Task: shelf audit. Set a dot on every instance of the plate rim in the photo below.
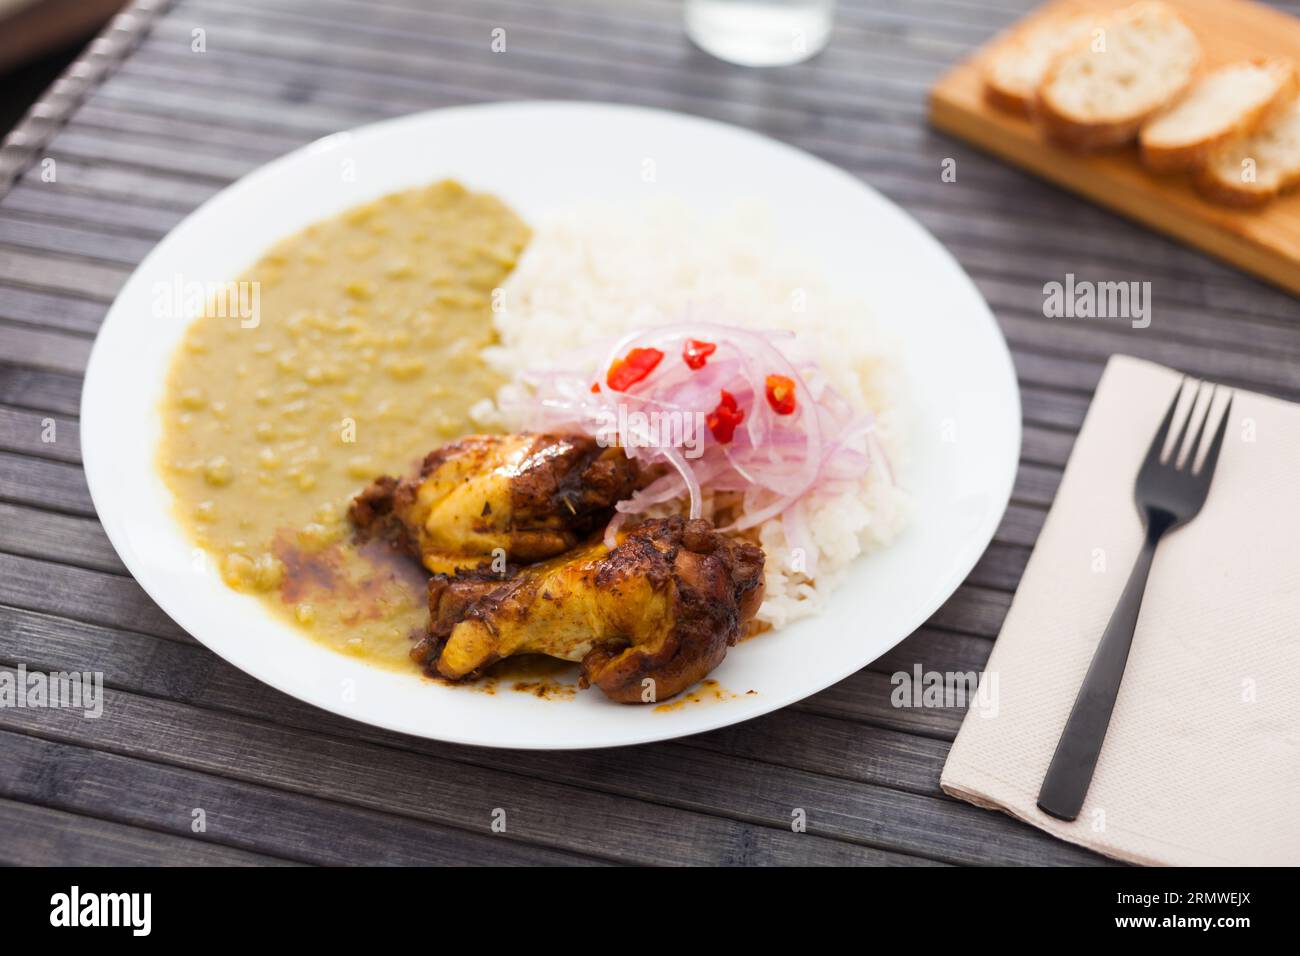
(718, 717)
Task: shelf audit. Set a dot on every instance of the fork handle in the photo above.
(1070, 772)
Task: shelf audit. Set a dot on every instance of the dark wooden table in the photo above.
(146, 129)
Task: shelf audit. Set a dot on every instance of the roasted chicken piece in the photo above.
(646, 619)
(523, 497)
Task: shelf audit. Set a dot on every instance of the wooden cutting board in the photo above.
(1264, 241)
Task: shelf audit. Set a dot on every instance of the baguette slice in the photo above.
(1014, 72)
(1096, 96)
(1275, 151)
(1223, 106)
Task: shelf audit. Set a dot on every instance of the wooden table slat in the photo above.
(51, 536)
(441, 790)
(36, 389)
(39, 836)
(239, 816)
(222, 686)
(46, 484)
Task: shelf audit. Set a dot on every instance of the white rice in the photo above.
(598, 272)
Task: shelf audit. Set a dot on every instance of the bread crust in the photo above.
(1086, 137)
(1061, 125)
(1006, 99)
(1010, 98)
(1227, 193)
(1187, 156)
(1230, 190)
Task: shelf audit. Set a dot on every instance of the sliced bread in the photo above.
(1221, 106)
(1015, 69)
(1099, 94)
(1258, 167)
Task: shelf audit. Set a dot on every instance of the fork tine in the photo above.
(1212, 456)
(1176, 451)
(1157, 449)
(1200, 429)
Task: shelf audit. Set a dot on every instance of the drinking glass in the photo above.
(760, 32)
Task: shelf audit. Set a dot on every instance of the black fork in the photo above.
(1168, 496)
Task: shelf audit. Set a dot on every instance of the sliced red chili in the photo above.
(695, 353)
(626, 372)
(723, 420)
(780, 394)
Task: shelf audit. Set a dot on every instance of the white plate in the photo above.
(542, 157)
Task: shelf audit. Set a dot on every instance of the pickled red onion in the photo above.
(775, 460)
